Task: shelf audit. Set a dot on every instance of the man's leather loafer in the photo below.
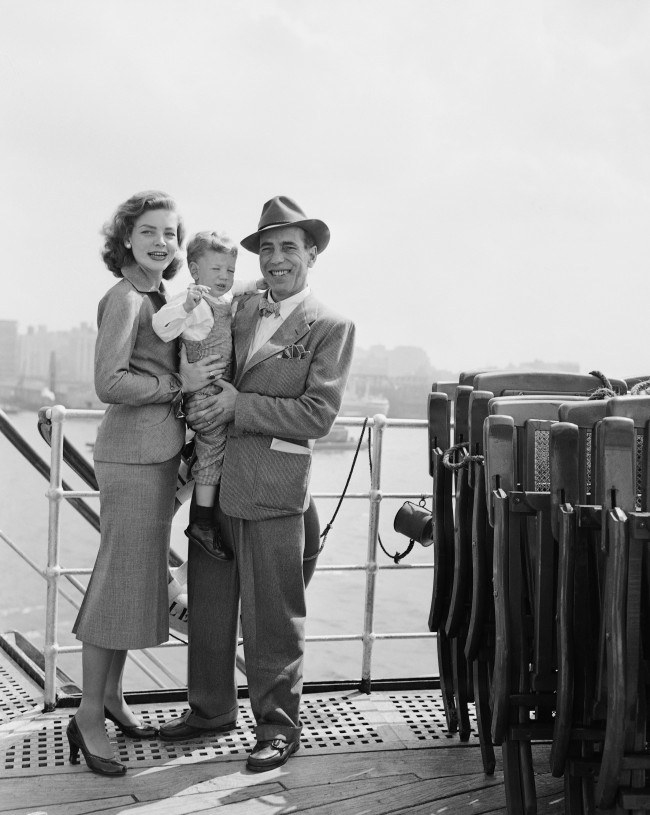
(180, 730)
(209, 540)
(267, 755)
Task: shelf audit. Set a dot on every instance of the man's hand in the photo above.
(226, 402)
(205, 414)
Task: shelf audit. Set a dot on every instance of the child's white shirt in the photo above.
(172, 320)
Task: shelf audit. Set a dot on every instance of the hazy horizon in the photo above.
(535, 364)
(483, 167)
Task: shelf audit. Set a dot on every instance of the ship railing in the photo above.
(53, 573)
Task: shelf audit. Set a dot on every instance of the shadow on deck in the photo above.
(378, 753)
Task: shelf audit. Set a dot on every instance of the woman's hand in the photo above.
(196, 375)
(207, 412)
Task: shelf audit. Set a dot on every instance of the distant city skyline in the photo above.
(393, 360)
(39, 366)
(86, 329)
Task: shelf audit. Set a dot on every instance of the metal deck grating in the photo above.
(17, 692)
(425, 715)
(357, 721)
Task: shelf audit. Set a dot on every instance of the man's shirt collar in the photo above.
(293, 300)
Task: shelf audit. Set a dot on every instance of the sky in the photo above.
(483, 165)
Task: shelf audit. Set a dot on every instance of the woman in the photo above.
(136, 456)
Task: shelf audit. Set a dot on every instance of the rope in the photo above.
(450, 459)
(640, 388)
(325, 532)
(398, 555)
(606, 391)
(465, 461)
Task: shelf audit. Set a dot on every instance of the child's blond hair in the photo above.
(207, 240)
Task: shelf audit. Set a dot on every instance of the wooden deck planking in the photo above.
(427, 780)
(229, 772)
(363, 755)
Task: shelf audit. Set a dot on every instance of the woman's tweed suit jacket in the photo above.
(136, 462)
(289, 391)
(135, 375)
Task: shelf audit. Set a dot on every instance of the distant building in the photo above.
(539, 365)
(80, 353)
(394, 381)
(8, 350)
(34, 350)
(404, 360)
(403, 377)
(40, 362)
(65, 356)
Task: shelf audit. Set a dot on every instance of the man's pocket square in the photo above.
(294, 352)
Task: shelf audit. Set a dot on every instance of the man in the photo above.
(292, 358)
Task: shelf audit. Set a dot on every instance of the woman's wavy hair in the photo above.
(118, 230)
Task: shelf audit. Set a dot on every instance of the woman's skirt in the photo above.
(126, 606)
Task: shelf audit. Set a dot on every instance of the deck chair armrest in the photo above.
(564, 467)
(499, 451)
(438, 420)
(461, 414)
(478, 412)
(616, 476)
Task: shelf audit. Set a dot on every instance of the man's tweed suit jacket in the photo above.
(135, 375)
(290, 395)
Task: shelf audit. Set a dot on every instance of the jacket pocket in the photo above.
(153, 415)
(162, 436)
(282, 481)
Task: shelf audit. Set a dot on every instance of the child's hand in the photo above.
(195, 294)
(261, 284)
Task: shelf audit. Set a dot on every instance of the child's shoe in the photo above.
(209, 539)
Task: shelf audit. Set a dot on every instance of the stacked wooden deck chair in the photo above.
(516, 437)
(448, 403)
(439, 418)
(510, 620)
(602, 520)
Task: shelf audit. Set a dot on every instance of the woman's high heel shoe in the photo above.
(99, 765)
(146, 731)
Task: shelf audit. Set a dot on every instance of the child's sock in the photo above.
(204, 516)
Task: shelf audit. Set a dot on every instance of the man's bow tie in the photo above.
(267, 308)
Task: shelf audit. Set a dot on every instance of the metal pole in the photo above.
(52, 572)
(379, 423)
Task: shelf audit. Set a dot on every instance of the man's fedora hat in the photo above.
(283, 211)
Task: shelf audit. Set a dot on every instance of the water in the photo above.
(335, 600)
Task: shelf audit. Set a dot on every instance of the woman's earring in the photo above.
(128, 245)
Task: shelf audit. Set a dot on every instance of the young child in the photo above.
(202, 318)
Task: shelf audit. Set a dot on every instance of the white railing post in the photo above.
(52, 573)
(379, 423)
